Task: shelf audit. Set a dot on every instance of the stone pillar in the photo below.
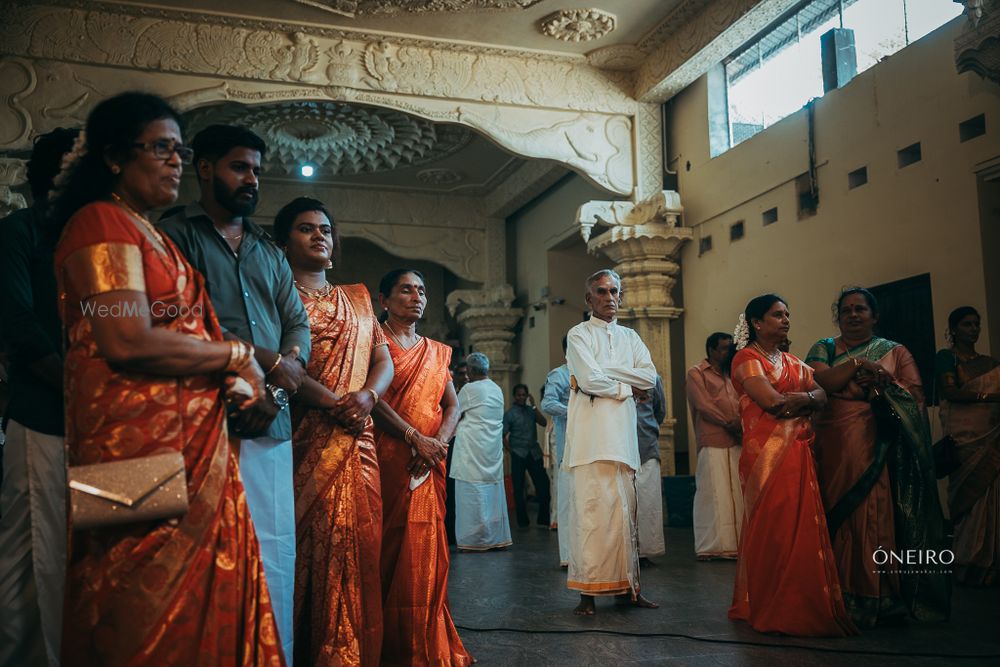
(488, 317)
(12, 174)
(644, 242)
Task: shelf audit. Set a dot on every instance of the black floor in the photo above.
(523, 589)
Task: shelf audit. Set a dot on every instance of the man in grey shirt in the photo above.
(649, 493)
(521, 438)
(253, 293)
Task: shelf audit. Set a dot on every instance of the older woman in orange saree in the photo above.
(415, 418)
(144, 374)
(786, 578)
(338, 505)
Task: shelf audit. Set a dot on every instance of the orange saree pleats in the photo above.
(418, 626)
(338, 507)
(786, 579)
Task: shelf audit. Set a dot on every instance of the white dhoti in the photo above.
(718, 502)
(564, 499)
(649, 492)
(32, 547)
(266, 470)
(604, 557)
(481, 521)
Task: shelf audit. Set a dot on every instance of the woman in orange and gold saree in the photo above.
(144, 373)
(415, 418)
(338, 505)
(875, 469)
(786, 579)
(970, 413)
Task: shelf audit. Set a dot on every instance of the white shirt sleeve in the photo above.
(590, 377)
(643, 374)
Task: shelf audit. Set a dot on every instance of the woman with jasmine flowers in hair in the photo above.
(786, 578)
(876, 473)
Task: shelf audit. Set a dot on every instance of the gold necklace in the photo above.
(773, 357)
(315, 292)
(138, 216)
(866, 351)
(392, 333)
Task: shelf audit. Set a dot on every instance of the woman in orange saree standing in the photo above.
(786, 578)
(145, 373)
(415, 418)
(338, 505)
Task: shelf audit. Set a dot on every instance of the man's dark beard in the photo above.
(229, 201)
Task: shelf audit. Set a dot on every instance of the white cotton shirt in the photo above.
(607, 360)
(478, 455)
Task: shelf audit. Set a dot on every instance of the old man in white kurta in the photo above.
(610, 368)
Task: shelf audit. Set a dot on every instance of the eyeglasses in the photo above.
(163, 149)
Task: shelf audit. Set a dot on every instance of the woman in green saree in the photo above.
(876, 473)
(970, 413)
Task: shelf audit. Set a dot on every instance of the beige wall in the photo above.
(549, 252)
(920, 219)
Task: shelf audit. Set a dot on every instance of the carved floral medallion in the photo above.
(578, 25)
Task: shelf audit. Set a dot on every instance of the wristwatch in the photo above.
(279, 395)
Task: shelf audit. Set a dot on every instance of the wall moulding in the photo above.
(298, 54)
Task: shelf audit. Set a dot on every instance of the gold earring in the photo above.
(115, 169)
(329, 264)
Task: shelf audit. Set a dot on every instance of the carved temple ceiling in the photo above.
(369, 146)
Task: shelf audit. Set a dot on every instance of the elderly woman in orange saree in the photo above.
(338, 505)
(144, 373)
(786, 578)
(875, 470)
(970, 414)
(415, 418)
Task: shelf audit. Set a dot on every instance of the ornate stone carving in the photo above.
(598, 146)
(649, 150)
(17, 81)
(644, 242)
(683, 49)
(620, 57)
(490, 319)
(12, 174)
(338, 138)
(973, 10)
(439, 176)
(977, 49)
(213, 45)
(578, 25)
(362, 7)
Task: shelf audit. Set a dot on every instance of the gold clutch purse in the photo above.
(140, 489)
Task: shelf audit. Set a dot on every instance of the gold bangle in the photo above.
(240, 355)
(409, 434)
(374, 393)
(275, 365)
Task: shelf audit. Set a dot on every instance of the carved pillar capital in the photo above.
(490, 319)
(644, 242)
(12, 174)
(977, 49)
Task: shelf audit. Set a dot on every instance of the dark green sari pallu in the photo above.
(903, 443)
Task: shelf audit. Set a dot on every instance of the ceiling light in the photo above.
(307, 170)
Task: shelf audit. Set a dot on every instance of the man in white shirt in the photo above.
(481, 521)
(610, 368)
